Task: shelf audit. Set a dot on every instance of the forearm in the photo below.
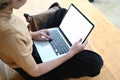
(45, 67)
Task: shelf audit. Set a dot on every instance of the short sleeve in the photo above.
(19, 48)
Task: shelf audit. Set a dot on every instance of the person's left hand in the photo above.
(42, 35)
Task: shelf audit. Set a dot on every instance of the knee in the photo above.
(94, 62)
(61, 11)
(64, 10)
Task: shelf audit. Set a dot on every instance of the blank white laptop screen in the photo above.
(75, 22)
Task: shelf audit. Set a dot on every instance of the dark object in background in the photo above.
(91, 0)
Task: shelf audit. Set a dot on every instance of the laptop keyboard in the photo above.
(58, 44)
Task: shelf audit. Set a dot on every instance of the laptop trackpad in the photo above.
(45, 51)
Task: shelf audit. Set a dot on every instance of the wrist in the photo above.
(31, 33)
(70, 53)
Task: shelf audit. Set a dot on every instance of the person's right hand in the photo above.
(77, 47)
(41, 35)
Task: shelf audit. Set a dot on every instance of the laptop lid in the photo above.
(75, 25)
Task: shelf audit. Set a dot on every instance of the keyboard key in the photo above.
(58, 44)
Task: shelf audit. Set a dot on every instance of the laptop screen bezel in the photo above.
(84, 17)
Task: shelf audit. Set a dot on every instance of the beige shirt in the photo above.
(15, 42)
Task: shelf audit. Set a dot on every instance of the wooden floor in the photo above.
(105, 38)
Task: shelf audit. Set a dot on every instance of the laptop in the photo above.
(74, 26)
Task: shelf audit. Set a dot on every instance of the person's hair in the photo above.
(4, 3)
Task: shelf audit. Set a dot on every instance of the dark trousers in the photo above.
(86, 63)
